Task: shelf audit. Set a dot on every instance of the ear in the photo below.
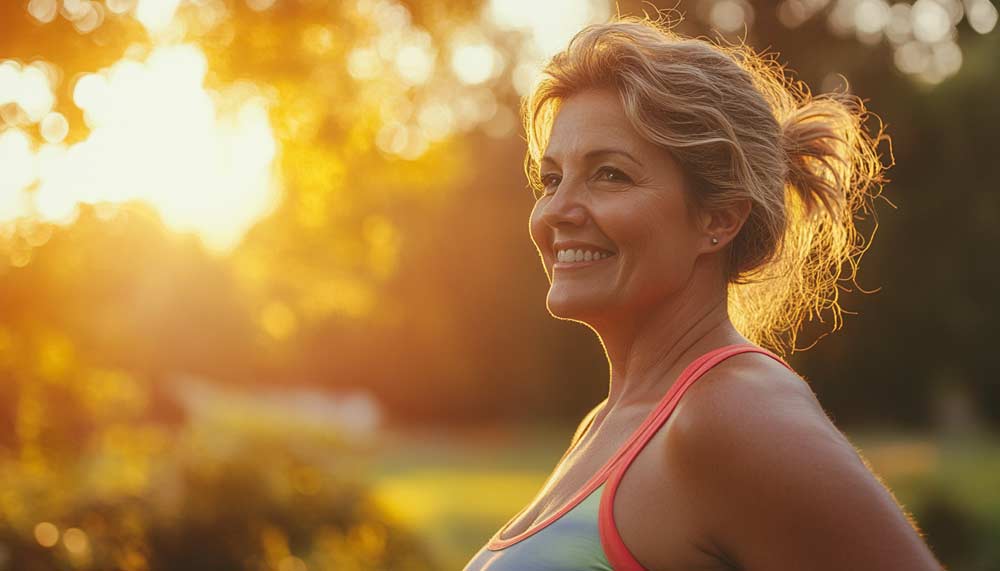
(724, 223)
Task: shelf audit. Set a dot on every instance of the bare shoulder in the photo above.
(742, 383)
(778, 484)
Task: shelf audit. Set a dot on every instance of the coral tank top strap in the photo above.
(498, 542)
(617, 552)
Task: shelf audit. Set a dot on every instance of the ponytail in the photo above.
(827, 151)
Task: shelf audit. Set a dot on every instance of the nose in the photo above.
(565, 206)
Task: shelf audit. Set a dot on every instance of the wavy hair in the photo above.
(740, 128)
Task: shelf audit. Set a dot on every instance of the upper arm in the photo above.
(779, 487)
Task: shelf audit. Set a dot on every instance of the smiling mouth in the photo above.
(581, 254)
(566, 264)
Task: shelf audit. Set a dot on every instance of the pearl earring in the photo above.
(715, 240)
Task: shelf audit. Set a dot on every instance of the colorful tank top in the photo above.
(581, 536)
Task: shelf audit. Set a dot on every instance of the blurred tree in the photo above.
(405, 267)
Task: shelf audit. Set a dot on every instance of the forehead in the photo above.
(591, 119)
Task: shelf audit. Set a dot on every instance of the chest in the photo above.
(661, 539)
(595, 452)
(570, 543)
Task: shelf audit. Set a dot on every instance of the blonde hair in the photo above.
(740, 129)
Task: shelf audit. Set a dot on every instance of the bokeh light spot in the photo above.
(46, 534)
(75, 540)
(982, 15)
(54, 127)
(43, 10)
(931, 22)
(474, 63)
(731, 15)
(363, 63)
(120, 6)
(871, 16)
(415, 63)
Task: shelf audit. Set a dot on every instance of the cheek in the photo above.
(658, 240)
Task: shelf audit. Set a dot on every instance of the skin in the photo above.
(748, 472)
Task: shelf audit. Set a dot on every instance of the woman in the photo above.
(691, 203)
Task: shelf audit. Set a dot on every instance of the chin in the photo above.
(577, 307)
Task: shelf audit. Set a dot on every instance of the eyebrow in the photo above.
(596, 153)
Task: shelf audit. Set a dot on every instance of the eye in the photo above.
(621, 177)
(548, 185)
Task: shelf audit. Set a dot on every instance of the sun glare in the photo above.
(203, 159)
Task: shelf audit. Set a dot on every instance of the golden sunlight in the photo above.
(156, 14)
(202, 158)
(547, 26)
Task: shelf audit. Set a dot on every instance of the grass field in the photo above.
(457, 488)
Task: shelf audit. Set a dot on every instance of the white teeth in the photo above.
(580, 255)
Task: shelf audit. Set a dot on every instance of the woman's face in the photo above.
(609, 191)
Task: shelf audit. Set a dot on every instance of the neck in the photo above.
(647, 352)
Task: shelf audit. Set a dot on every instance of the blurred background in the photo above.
(268, 299)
